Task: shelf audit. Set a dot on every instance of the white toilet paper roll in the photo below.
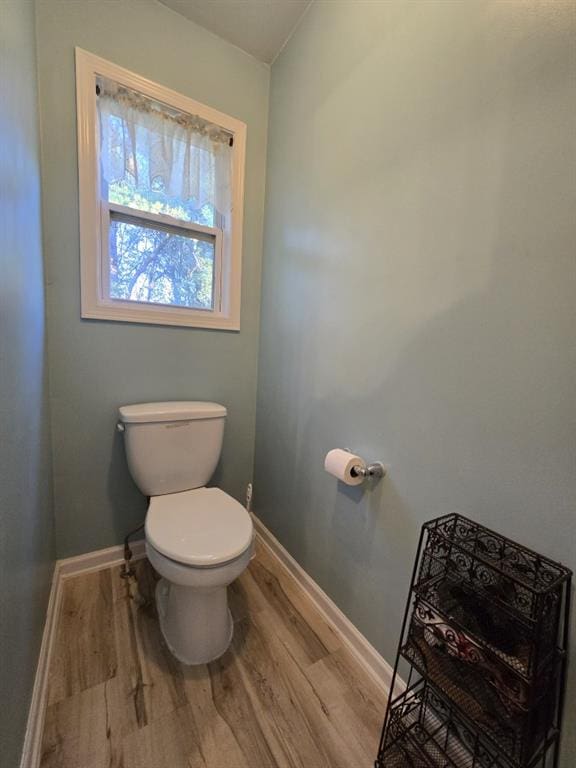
(340, 463)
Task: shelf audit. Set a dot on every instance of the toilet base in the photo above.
(196, 624)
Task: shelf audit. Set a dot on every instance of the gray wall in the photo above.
(96, 366)
(419, 288)
(26, 521)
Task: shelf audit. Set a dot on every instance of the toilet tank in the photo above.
(172, 446)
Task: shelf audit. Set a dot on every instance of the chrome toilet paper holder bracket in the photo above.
(375, 469)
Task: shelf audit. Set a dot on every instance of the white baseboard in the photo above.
(368, 657)
(375, 665)
(31, 750)
(63, 569)
(102, 558)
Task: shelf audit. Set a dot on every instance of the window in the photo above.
(161, 188)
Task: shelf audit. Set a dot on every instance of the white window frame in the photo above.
(95, 212)
(184, 227)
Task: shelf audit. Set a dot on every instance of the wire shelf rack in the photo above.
(484, 636)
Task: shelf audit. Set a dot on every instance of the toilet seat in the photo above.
(202, 527)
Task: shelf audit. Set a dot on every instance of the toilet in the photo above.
(198, 539)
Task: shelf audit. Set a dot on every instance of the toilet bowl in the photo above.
(192, 606)
(199, 542)
(198, 539)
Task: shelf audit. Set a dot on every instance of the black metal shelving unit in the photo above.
(484, 640)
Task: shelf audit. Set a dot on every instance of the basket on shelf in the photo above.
(426, 730)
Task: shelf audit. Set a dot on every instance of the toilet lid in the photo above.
(201, 527)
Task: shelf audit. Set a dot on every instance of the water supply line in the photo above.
(127, 571)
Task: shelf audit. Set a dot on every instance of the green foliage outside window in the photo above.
(156, 265)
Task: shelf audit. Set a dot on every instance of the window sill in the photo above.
(162, 316)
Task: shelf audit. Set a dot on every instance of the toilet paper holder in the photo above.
(375, 469)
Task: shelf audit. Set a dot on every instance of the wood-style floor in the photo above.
(286, 694)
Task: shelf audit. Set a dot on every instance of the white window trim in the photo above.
(94, 216)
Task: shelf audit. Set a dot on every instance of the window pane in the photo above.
(160, 265)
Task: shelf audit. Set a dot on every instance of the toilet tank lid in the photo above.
(181, 410)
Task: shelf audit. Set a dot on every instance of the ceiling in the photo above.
(260, 27)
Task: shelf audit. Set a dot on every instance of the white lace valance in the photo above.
(158, 150)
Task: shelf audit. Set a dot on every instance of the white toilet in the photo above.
(198, 539)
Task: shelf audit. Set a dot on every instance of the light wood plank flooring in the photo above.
(287, 694)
